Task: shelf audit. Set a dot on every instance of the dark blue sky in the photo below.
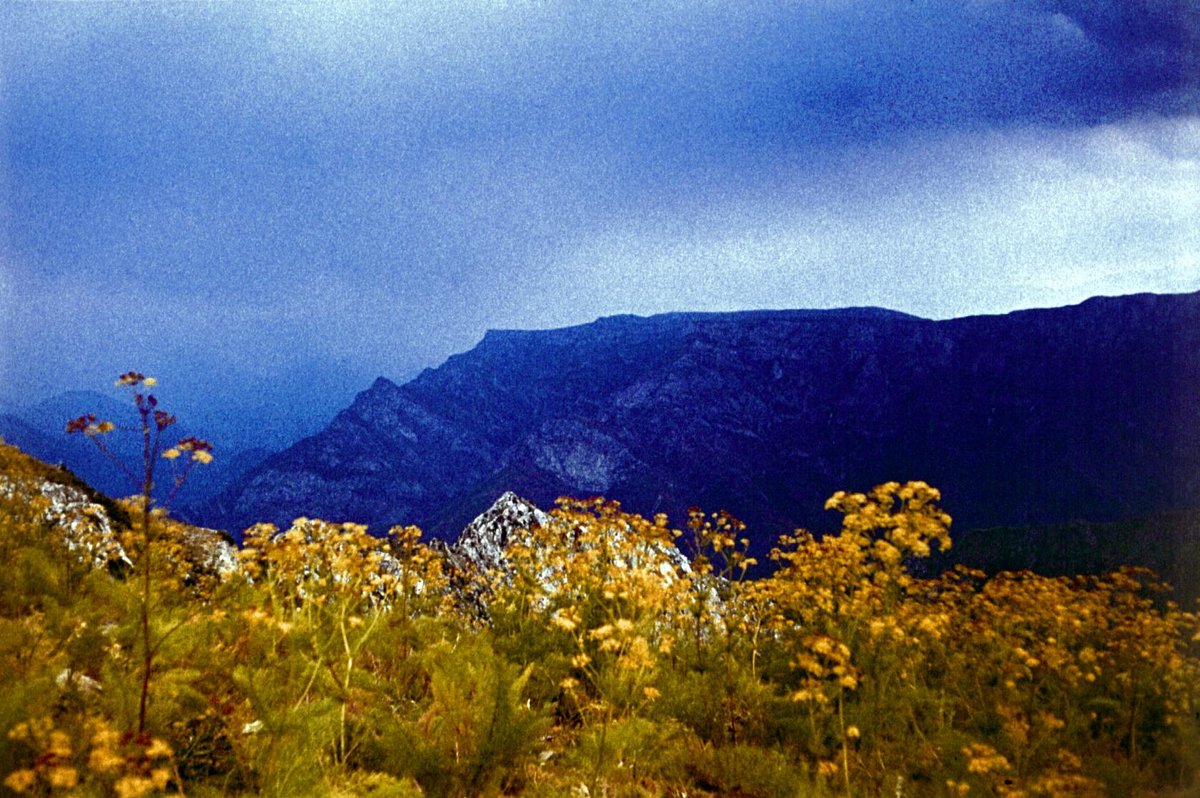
(241, 196)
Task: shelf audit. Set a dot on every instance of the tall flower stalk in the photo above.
(153, 421)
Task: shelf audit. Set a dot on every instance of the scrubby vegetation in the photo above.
(597, 661)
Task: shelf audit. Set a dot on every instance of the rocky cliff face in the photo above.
(481, 545)
(91, 524)
(86, 526)
(1085, 412)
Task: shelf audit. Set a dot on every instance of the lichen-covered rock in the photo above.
(93, 525)
(65, 506)
(482, 543)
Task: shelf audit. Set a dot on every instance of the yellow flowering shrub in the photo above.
(600, 659)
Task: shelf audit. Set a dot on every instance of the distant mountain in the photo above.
(39, 429)
(272, 410)
(1090, 412)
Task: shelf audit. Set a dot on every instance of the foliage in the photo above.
(333, 662)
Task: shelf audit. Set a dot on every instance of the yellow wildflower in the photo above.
(563, 622)
(20, 780)
(158, 749)
(63, 777)
(133, 787)
(161, 777)
(601, 632)
(60, 744)
(105, 760)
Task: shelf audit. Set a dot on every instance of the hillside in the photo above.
(1086, 412)
(1168, 543)
(38, 429)
(543, 651)
(92, 526)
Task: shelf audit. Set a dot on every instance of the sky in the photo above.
(273, 203)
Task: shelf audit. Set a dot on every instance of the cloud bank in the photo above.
(249, 191)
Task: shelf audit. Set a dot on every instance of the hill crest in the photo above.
(1037, 416)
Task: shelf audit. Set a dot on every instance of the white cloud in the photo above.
(968, 223)
(1065, 27)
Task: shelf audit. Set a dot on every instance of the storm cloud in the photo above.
(262, 191)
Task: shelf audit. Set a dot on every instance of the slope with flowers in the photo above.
(329, 661)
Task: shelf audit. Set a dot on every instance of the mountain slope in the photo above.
(39, 430)
(1044, 416)
(62, 504)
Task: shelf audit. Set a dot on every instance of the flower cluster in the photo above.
(200, 450)
(605, 661)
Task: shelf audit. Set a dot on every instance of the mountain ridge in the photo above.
(765, 413)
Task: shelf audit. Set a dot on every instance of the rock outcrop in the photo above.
(93, 524)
